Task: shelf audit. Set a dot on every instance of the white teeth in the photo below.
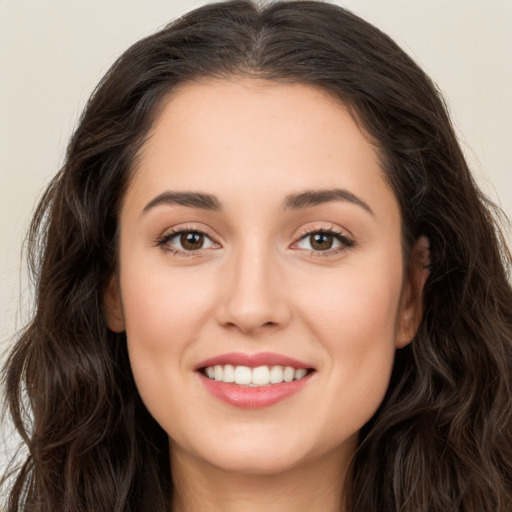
(229, 373)
(301, 372)
(276, 374)
(260, 376)
(242, 375)
(288, 374)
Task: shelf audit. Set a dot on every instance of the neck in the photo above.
(317, 486)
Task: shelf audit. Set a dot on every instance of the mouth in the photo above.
(265, 375)
(253, 380)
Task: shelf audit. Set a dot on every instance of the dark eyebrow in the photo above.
(296, 201)
(310, 198)
(190, 199)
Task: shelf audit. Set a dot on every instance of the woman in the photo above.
(266, 280)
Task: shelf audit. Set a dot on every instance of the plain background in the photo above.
(53, 53)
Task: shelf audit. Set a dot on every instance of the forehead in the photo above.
(257, 138)
(253, 108)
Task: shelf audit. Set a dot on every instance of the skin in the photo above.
(258, 285)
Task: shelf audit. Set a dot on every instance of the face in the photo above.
(261, 280)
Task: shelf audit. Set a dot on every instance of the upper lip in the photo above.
(252, 360)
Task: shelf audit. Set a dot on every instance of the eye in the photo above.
(187, 240)
(323, 240)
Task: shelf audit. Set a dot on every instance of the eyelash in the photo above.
(345, 242)
(164, 240)
(343, 239)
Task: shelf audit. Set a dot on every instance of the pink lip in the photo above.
(252, 360)
(253, 397)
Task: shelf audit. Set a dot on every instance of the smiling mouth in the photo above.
(254, 377)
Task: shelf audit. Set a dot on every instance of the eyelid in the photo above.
(174, 231)
(345, 238)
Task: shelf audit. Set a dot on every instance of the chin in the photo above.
(263, 454)
(267, 452)
(251, 463)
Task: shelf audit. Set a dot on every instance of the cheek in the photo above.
(164, 314)
(354, 321)
(355, 309)
(162, 309)
(358, 331)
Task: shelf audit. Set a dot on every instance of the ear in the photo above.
(411, 311)
(112, 306)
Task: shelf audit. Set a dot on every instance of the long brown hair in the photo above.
(442, 439)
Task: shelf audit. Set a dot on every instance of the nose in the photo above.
(253, 291)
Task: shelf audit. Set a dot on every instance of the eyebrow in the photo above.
(297, 201)
(311, 198)
(190, 199)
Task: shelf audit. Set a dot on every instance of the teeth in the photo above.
(242, 375)
(288, 374)
(276, 374)
(301, 372)
(260, 376)
(228, 373)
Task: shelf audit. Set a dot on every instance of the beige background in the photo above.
(53, 52)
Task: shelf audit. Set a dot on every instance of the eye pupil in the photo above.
(321, 241)
(192, 240)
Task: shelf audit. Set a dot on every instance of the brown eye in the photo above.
(321, 241)
(326, 241)
(192, 240)
(184, 241)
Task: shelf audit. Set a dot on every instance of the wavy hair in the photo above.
(442, 439)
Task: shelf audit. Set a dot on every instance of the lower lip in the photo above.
(253, 397)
